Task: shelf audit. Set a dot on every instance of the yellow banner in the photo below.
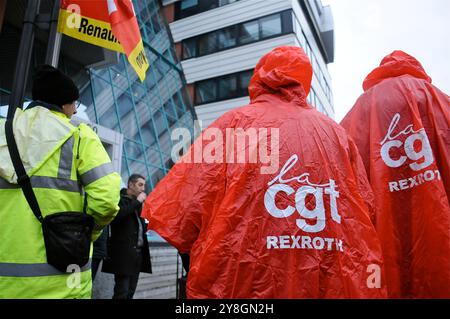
(90, 30)
(139, 61)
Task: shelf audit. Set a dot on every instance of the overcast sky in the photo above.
(368, 30)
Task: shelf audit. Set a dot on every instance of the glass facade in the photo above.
(145, 113)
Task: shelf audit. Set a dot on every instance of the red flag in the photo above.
(111, 24)
(126, 29)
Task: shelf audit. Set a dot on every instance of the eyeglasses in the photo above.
(77, 104)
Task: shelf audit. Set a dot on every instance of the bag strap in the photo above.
(22, 178)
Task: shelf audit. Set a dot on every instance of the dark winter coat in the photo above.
(123, 253)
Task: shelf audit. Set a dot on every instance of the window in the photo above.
(244, 81)
(227, 37)
(189, 48)
(207, 43)
(249, 32)
(270, 26)
(287, 21)
(186, 4)
(223, 88)
(227, 87)
(206, 92)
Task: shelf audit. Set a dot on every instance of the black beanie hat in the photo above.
(52, 86)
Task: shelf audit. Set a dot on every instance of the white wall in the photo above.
(208, 113)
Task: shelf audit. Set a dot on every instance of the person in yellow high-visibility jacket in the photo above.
(64, 162)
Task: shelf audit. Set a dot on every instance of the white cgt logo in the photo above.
(278, 185)
(390, 142)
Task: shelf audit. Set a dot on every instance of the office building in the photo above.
(220, 42)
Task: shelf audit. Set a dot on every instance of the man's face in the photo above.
(137, 187)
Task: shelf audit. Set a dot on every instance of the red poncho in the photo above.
(299, 228)
(401, 125)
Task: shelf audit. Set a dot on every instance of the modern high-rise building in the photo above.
(219, 43)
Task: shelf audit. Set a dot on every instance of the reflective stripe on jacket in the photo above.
(63, 163)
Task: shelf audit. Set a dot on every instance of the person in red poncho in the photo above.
(401, 125)
(298, 226)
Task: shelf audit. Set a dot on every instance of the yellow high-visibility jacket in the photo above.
(64, 162)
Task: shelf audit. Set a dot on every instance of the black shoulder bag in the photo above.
(67, 235)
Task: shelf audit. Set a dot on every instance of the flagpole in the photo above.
(23, 58)
(54, 38)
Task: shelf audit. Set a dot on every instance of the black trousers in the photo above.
(125, 286)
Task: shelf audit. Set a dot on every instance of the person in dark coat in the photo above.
(128, 251)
